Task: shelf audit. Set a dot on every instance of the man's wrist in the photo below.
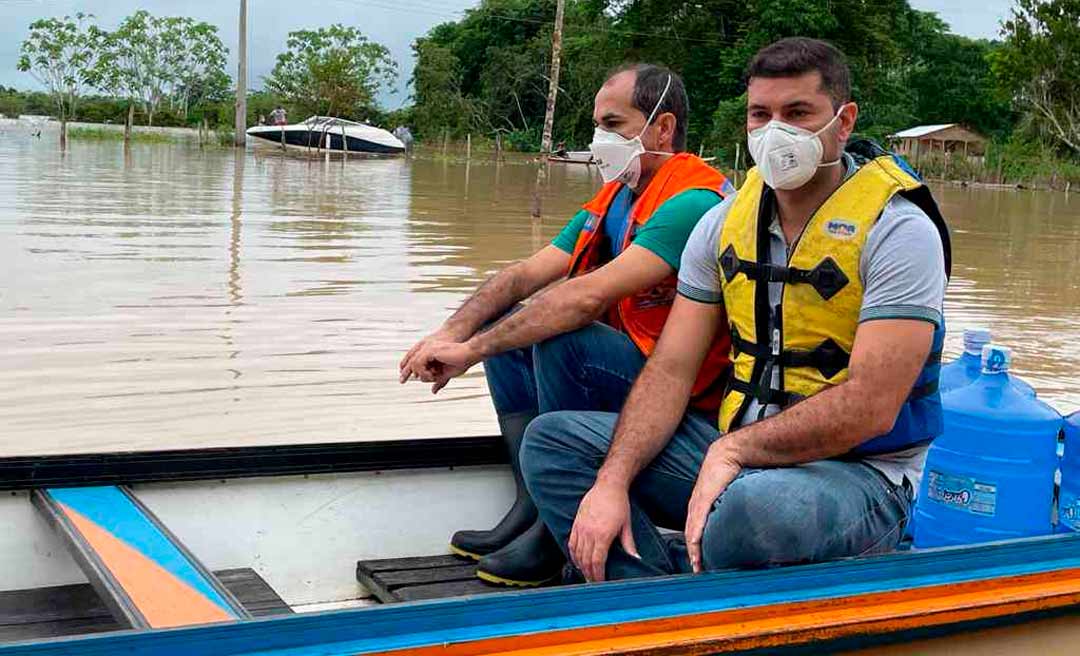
(477, 346)
(614, 477)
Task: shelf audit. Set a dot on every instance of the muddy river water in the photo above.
(178, 297)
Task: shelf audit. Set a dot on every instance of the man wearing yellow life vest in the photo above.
(581, 344)
(832, 270)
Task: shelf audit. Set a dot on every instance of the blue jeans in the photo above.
(591, 368)
(818, 511)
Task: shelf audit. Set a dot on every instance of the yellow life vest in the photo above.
(822, 297)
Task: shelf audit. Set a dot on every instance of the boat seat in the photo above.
(142, 572)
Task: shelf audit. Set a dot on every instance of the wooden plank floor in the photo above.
(73, 609)
(394, 580)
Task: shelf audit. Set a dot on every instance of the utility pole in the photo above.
(241, 80)
(549, 115)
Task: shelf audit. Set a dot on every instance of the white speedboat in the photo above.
(329, 133)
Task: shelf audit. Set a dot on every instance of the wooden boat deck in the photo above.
(394, 580)
(67, 610)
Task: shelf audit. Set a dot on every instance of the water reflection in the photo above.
(177, 297)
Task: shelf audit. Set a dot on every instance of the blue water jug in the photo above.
(1069, 500)
(963, 371)
(990, 475)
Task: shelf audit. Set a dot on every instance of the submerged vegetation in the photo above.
(109, 134)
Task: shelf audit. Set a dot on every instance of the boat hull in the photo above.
(302, 516)
(357, 138)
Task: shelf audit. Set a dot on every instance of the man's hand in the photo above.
(443, 334)
(604, 513)
(719, 469)
(438, 362)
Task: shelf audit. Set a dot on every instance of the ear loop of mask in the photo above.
(828, 125)
(652, 115)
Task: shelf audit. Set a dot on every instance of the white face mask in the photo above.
(787, 156)
(619, 158)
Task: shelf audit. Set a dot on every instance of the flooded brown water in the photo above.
(183, 298)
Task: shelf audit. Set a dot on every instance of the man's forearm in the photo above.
(562, 309)
(652, 412)
(494, 297)
(825, 425)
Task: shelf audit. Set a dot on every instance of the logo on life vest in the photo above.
(841, 228)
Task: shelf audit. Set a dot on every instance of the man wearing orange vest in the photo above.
(580, 344)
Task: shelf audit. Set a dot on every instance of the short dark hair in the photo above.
(649, 83)
(799, 55)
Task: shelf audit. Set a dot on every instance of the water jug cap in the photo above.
(975, 339)
(996, 359)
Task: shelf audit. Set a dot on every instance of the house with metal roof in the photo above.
(917, 142)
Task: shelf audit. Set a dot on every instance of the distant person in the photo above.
(829, 270)
(262, 119)
(404, 135)
(580, 344)
(278, 116)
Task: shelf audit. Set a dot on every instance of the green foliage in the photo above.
(106, 134)
(150, 60)
(334, 71)
(60, 54)
(1039, 66)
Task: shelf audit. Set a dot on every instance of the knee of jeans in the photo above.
(560, 349)
(548, 448)
(536, 444)
(742, 531)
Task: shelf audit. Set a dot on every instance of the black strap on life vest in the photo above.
(827, 277)
(828, 357)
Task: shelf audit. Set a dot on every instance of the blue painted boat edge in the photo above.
(429, 623)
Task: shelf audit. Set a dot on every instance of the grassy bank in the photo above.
(1015, 164)
(110, 134)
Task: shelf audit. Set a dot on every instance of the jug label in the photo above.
(962, 493)
(1069, 511)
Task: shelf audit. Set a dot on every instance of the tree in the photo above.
(149, 60)
(60, 54)
(1039, 65)
(436, 83)
(133, 65)
(194, 59)
(334, 71)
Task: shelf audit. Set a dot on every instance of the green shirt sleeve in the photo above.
(667, 231)
(567, 238)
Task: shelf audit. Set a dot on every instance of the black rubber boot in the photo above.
(532, 559)
(476, 544)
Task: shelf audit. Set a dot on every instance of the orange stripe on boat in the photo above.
(790, 623)
(164, 600)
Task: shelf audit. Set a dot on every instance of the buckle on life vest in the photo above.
(827, 278)
(828, 358)
(765, 394)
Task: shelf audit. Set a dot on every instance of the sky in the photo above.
(394, 23)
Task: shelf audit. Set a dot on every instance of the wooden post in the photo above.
(468, 146)
(344, 144)
(240, 138)
(128, 122)
(549, 114)
(445, 139)
(498, 146)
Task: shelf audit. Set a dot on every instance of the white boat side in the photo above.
(326, 132)
(302, 534)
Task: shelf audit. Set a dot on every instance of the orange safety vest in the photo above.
(642, 315)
